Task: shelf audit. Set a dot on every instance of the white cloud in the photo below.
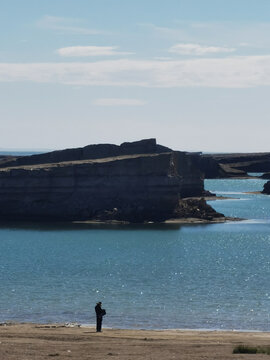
(65, 25)
(118, 102)
(83, 51)
(198, 50)
(230, 72)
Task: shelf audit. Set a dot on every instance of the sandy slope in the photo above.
(31, 341)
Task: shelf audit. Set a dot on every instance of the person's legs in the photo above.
(99, 323)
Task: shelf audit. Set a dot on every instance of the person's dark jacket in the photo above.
(99, 311)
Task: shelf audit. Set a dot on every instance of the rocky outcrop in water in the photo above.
(196, 208)
(265, 176)
(144, 183)
(234, 165)
(266, 188)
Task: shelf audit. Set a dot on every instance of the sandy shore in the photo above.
(32, 341)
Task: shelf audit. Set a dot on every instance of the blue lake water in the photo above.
(5, 152)
(152, 276)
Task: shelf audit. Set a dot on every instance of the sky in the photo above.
(193, 74)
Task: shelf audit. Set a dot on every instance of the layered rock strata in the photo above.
(136, 188)
(234, 165)
(96, 151)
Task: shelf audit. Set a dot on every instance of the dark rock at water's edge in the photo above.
(134, 182)
(196, 208)
(265, 176)
(234, 165)
(266, 188)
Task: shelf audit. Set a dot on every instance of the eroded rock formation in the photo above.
(96, 151)
(197, 209)
(144, 183)
(234, 165)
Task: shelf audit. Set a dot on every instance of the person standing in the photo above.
(99, 315)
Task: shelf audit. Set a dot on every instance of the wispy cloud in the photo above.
(118, 102)
(85, 51)
(231, 33)
(199, 50)
(229, 72)
(65, 25)
(164, 31)
(162, 58)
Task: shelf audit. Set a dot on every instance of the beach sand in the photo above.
(32, 341)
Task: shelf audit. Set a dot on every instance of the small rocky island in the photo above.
(134, 182)
(266, 188)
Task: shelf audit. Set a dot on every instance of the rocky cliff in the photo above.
(132, 187)
(234, 165)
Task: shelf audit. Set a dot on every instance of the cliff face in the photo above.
(144, 187)
(234, 165)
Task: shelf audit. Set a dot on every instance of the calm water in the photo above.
(210, 276)
(20, 153)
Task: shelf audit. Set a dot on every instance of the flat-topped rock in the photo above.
(134, 182)
(96, 151)
(136, 188)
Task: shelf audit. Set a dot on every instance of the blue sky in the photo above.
(194, 74)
